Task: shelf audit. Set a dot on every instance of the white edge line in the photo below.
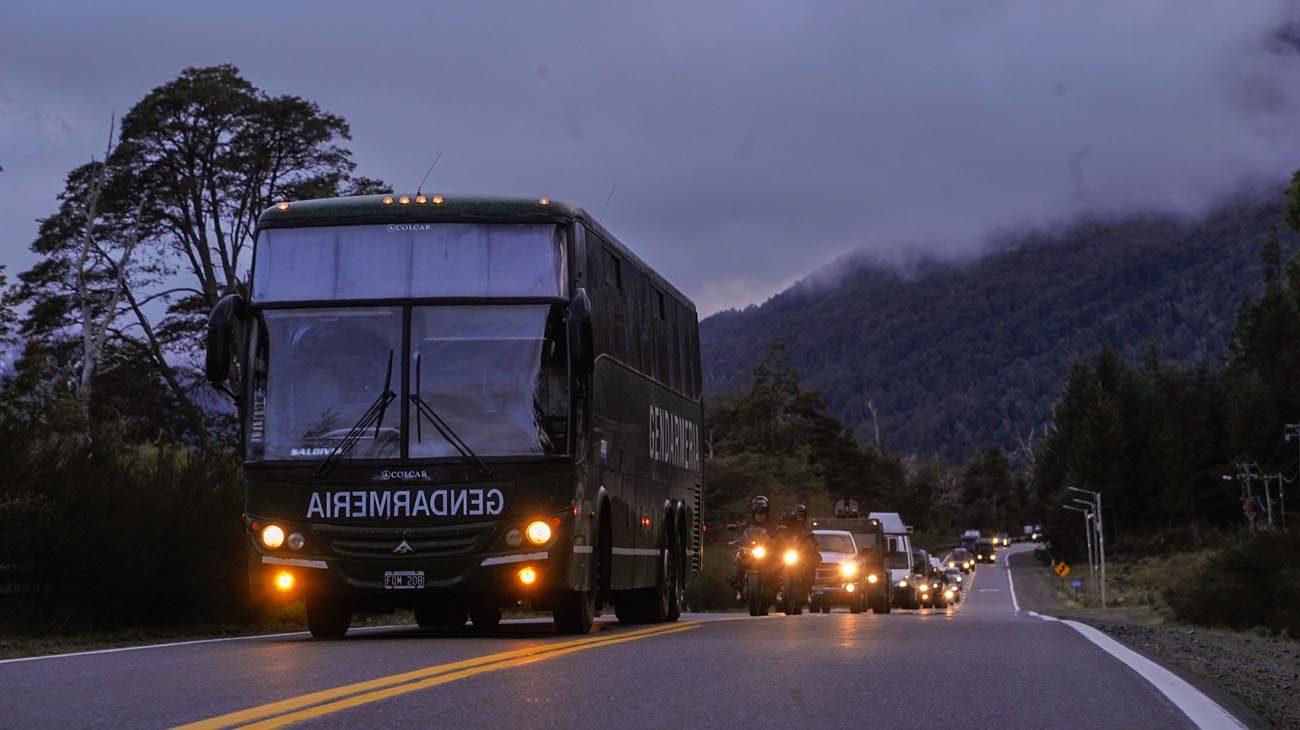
(1010, 583)
(1201, 710)
(193, 642)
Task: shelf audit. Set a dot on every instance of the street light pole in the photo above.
(1101, 536)
(1087, 532)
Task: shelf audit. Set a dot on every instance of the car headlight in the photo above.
(538, 532)
(272, 536)
(791, 557)
(959, 579)
(759, 552)
(872, 579)
(848, 569)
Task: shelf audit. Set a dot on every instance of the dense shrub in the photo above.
(102, 533)
(1254, 581)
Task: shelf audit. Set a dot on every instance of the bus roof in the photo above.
(371, 208)
(455, 208)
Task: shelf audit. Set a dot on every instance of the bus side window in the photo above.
(613, 270)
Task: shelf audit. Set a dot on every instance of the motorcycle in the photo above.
(756, 583)
(798, 570)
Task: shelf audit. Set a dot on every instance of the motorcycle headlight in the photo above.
(848, 569)
(759, 552)
(791, 557)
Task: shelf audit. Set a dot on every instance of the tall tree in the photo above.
(169, 227)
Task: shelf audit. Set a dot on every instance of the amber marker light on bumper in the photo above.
(528, 576)
(284, 580)
(272, 536)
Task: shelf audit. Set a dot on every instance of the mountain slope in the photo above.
(954, 357)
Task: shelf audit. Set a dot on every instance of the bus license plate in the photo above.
(404, 579)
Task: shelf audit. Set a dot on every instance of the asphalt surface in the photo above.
(981, 665)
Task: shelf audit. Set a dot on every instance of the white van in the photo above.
(899, 540)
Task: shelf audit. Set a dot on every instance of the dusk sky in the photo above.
(747, 143)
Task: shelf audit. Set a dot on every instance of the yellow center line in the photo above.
(383, 694)
(482, 663)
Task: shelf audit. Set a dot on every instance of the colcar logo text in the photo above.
(398, 227)
(402, 475)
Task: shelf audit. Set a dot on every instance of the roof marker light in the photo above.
(437, 200)
(282, 207)
(388, 200)
(544, 202)
(421, 200)
(404, 200)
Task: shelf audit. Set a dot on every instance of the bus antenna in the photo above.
(426, 172)
(608, 198)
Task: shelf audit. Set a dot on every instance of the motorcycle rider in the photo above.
(794, 533)
(759, 511)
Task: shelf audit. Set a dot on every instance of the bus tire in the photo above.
(328, 617)
(575, 611)
(676, 580)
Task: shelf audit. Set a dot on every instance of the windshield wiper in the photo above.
(424, 410)
(374, 414)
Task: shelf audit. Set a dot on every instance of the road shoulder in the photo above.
(1228, 668)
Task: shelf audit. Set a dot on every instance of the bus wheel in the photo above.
(675, 581)
(575, 611)
(328, 617)
(431, 615)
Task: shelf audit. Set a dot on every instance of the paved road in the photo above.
(982, 665)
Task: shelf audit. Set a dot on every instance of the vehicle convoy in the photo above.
(984, 552)
(927, 587)
(898, 556)
(872, 557)
(459, 404)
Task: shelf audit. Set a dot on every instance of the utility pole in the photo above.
(1292, 431)
(1101, 535)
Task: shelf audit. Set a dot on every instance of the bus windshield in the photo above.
(495, 376)
(410, 260)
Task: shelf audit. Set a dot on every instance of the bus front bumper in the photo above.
(532, 575)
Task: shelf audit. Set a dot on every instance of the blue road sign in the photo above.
(1076, 583)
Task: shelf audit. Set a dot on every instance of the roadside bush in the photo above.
(710, 591)
(103, 533)
(1253, 581)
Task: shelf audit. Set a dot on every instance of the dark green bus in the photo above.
(459, 405)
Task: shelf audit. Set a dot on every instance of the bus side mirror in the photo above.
(221, 338)
(580, 338)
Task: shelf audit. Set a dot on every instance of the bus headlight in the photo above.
(272, 536)
(296, 541)
(539, 533)
(759, 552)
(848, 569)
(791, 557)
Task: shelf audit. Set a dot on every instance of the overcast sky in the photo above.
(748, 143)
